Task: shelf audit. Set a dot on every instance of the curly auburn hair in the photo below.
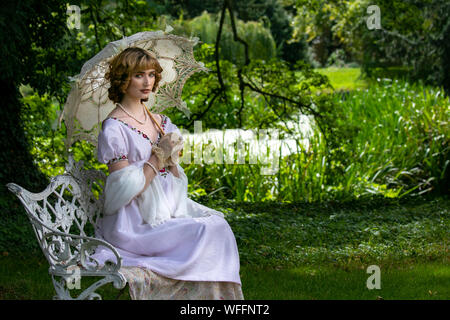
(123, 65)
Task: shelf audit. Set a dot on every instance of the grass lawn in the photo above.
(29, 280)
(309, 251)
(345, 79)
(413, 280)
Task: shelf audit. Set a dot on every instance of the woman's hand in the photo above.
(155, 159)
(158, 154)
(168, 148)
(150, 174)
(174, 158)
(174, 170)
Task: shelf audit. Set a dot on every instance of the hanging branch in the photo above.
(199, 116)
(235, 35)
(222, 87)
(227, 5)
(216, 50)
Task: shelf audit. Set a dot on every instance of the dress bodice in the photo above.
(120, 141)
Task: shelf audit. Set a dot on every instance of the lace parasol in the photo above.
(88, 104)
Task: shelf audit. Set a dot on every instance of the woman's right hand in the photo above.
(167, 149)
(167, 144)
(170, 144)
(156, 161)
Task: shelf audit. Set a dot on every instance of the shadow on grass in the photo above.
(415, 281)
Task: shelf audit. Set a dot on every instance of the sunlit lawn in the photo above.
(344, 78)
(413, 280)
(28, 280)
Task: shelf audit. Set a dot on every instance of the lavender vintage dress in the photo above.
(197, 244)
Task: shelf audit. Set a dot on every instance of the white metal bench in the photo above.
(64, 218)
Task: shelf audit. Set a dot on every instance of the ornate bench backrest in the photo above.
(70, 205)
(91, 184)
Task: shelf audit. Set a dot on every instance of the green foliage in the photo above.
(275, 16)
(403, 138)
(29, 30)
(417, 37)
(321, 23)
(337, 59)
(344, 166)
(414, 34)
(275, 92)
(39, 116)
(206, 26)
(392, 150)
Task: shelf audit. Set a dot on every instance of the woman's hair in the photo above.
(124, 64)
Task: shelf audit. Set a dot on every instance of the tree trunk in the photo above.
(16, 161)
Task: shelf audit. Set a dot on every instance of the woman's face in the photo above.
(141, 84)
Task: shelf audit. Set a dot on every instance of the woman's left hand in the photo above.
(174, 170)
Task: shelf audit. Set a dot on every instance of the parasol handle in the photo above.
(151, 116)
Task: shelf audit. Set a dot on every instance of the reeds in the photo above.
(401, 147)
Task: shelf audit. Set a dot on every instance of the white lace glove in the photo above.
(168, 149)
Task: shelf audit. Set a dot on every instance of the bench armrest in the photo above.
(71, 249)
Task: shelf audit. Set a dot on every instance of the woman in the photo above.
(147, 214)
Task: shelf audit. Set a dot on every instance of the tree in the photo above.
(320, 22)
(414, 34)
(273, 14)
(261, 44)
(283, 91)
(29, 32)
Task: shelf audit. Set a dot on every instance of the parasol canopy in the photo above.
(88, 104)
